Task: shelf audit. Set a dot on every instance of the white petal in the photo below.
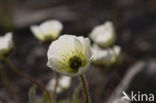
(64, 46)
(105, 56)
(48, 30)
(37, 32)
(51, 27)
(117, 50)
(86, 47)
(83, 69)
(65, 81)
(57, 65)
(103, 35)
(6, 43)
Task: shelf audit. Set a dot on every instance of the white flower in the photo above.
(103, 35)
(6, 44)
(48, 30)
(105, 56)
(63, 83)
(69, 55)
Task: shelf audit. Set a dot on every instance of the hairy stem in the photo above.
(22, 74)
(85, 89)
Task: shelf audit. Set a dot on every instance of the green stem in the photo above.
(8, 62)
(56, 76)
(85, 88)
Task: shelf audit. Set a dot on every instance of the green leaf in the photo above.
(62, 101)
(32, 93)
(46, 99)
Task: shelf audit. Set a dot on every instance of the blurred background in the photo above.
(135, 23)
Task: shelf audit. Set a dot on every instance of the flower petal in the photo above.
(86, 47)
(56, 65)
(48, 30)
(64, 46)
(6, 44)
(104, 35)
(105, 56)
(37, 32)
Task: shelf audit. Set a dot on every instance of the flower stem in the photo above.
(10, 87)
(56, 76)
(22, 74)
(85, 89)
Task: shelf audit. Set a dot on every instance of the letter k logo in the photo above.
(125, 96)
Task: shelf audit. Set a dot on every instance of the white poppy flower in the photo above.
(48, 30)
(69, 55)
(105, 56)
(6, 44)
(63, 83)
(103, 35)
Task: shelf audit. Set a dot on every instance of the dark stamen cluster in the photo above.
(75, 62)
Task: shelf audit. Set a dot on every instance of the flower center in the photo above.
(75, 62)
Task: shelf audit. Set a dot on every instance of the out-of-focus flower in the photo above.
(48, 30)
(105, 56)
(6, 44)
(69, 55)
(104, 35)
(64, 83)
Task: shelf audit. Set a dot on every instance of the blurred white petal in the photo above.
(48, 30)
(105, 56)
(64, 83)
(6, 44)
(103, 35)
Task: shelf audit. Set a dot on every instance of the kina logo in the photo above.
(138, 97)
